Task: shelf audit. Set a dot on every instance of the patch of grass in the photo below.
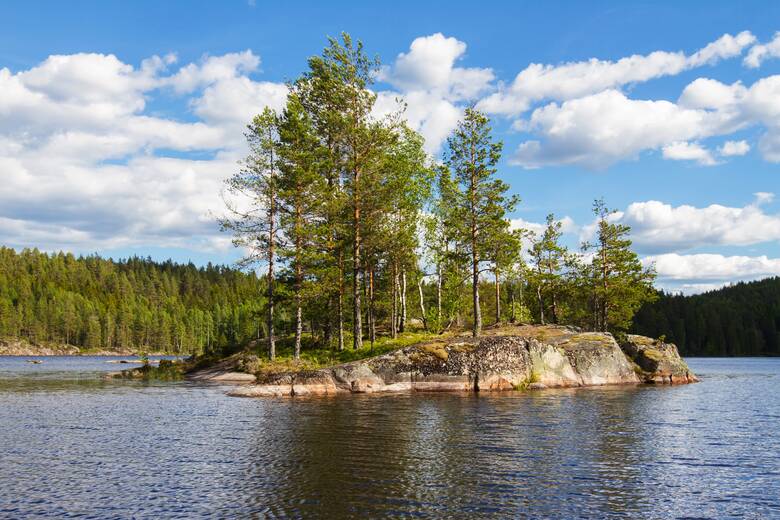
(653, 354)
(314, 357)
(534, 377)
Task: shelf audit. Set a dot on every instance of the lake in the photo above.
(73, 444)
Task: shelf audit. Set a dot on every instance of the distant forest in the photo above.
(140, 304)
(133, 304)
(739, 320)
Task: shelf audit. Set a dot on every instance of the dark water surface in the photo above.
(72, 444)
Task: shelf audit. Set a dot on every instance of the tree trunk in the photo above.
(475, 294)
(327, 332)
(394, 317)
(422, 304)
(357, 325)
(513, 315)
(541, 303)
(498, 298)
(270, 317)
(474, 255)
(298, 280)
(371, 309)
(341, 301)
(298, 313)
(438, 295)
(604, 299)
(402, 326)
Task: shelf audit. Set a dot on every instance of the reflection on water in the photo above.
(76, 444)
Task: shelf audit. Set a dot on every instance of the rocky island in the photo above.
(510, 358)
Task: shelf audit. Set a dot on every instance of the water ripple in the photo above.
(81, 446)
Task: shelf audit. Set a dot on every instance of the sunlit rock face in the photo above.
(506, 358)
(658, 361)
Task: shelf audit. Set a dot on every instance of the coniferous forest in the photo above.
(740, 320)
(136, 304)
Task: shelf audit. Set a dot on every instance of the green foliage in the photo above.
(619, 284)
(474, 201)
(134, 304)
(739, 320)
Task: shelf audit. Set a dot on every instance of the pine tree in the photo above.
(253, 215)
(549, 258)
(478, 199)
(620, 284)
(300, 194)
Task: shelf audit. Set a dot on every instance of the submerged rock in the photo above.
(524, 357)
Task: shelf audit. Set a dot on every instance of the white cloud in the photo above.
(683, 151)
(538, 82)
(430, 66)
(712, 267)
(213, 69)
(86, 166)
(762, 52)
(659, 227)
(428, 113)
(734, 148)
(230, 100)
(598, 130)
(432, 87)
(567, 225)
(705, 93)
(604, 128)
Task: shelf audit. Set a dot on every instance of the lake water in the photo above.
(72, 444)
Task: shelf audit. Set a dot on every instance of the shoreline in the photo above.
(15, 347)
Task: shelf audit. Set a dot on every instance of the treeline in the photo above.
(134, 304)
(738, 320)
(351, 222)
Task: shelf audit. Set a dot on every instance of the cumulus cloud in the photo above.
(703, 268)
(213, 69)
(429, 66)
(85, 165)
(762, 52)
(734, 148)
(657, 227)
(682, 151)
(539, 82)
(600, 129)
(567, 225)
(432, 86)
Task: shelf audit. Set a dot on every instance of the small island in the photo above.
(511, 357)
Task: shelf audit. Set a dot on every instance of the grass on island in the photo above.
(314, 356)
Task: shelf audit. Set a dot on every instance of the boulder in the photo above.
(657, 361)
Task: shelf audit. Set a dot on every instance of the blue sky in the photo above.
(118, 120)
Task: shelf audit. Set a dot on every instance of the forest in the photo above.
(739, 320)
(352, 232)
(136, 304)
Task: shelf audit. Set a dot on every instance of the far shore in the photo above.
(14, 347)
